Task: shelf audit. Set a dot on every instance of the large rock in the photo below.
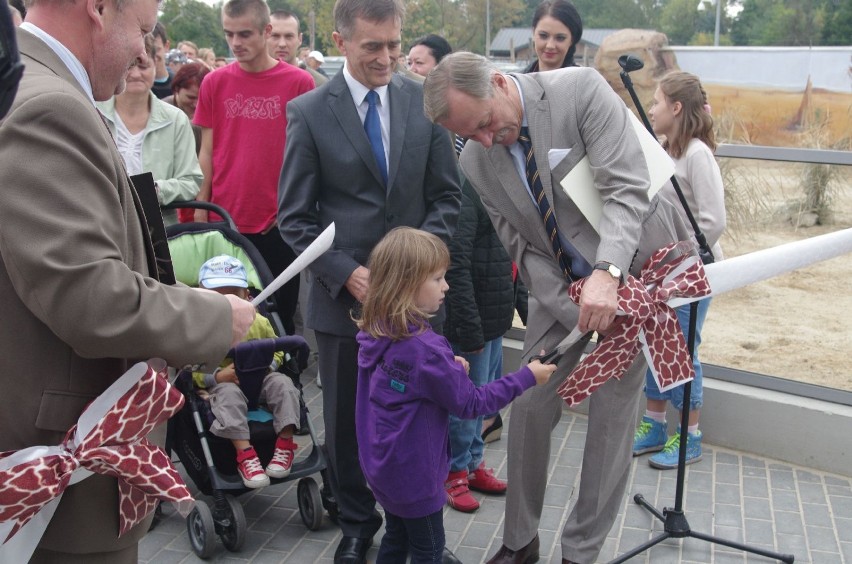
(651, 47)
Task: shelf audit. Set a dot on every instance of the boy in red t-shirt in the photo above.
(241, 110)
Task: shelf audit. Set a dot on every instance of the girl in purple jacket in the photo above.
(408, 384)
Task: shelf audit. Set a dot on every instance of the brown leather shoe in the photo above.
(526, 555)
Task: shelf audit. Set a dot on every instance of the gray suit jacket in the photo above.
(572, 108)
(330, 175)
(78, 291)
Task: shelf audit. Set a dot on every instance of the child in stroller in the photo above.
(228, 402)
(209, 460)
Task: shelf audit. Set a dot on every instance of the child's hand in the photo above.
(542, 372)
(461, 360)
(227, 374)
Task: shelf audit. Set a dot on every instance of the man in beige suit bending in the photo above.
(79, 293)
(530, 131)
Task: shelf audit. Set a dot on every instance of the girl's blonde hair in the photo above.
(694, 120)
(399, 265)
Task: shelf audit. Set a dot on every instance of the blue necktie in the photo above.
(546, 211)
(373, 127)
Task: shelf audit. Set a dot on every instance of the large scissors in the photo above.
(554, 356)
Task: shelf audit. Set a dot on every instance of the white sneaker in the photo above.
(251, 470)
(282, 459)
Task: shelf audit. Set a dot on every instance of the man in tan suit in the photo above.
(561, 116)
(78, 279)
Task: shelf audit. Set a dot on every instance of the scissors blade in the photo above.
(554, 356)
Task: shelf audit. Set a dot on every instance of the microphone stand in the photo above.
(675, 524)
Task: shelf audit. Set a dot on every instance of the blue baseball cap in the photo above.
(222, 271)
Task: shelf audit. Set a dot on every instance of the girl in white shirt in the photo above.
(681, 114)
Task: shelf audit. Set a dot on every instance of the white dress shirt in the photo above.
(359, 96)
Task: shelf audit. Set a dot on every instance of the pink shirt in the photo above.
(247, 114)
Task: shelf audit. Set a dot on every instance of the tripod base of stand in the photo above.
(676, 526)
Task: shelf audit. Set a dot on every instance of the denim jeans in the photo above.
(465, 434)
(675, 395)
(422, 538)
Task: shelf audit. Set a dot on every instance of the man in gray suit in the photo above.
(79, 291)
(552, 120)
(359, 153)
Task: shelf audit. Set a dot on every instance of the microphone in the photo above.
(630, 63)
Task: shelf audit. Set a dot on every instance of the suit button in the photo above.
(389, 218)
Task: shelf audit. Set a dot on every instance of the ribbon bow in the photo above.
(109, 439)
(647, 323)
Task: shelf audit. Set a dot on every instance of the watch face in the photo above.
(610, 269)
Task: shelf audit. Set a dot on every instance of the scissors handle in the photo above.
(553, 357)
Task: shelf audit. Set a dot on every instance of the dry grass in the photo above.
(745, 201)
(820, 183)
(811, 119)
(772, 117)
(751, 328)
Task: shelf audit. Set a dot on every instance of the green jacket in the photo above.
(168, 152)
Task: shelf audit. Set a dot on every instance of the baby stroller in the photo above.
(209, 460)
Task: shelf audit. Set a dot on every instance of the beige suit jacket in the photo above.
(78, 291)
(572, 108)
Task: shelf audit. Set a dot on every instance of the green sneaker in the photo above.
(667, 459)
(650, 436)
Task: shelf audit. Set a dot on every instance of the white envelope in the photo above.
(580, 186)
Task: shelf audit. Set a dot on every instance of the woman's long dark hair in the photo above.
(566, 13)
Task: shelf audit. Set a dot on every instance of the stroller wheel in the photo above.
(234, 536)
(202, 530)
(310, 503)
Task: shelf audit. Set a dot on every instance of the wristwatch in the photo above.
(610, 269)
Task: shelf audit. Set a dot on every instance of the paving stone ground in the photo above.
(732, 495)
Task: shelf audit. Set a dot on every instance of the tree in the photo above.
(838, 23)
(679, 20)
(466, 24)
(641, 14)
(784, 22)
(194, 21)
(743, 28)
(423, 17)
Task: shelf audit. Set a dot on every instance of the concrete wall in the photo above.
(786, 68)
(786, 427)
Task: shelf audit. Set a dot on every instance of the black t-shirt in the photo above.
(162, 89)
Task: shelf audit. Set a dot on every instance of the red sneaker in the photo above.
(250, 469)
(483, 480)
(458, 494)
(282, 458)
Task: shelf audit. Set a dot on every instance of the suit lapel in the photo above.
(524, 211)
(540, 123)
(343, 107)
(504, 168)
(400, 101)
(538, 120)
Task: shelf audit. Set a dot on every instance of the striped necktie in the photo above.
(459, 144)
(544, 207)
